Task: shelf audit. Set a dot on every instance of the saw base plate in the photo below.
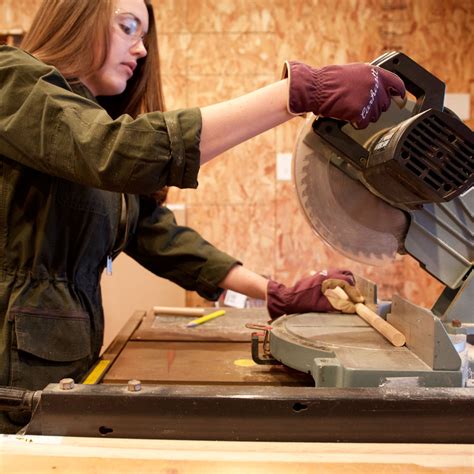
(344, 351)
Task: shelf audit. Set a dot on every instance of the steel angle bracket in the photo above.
(253, 413)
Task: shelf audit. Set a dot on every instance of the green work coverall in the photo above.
(73, 193)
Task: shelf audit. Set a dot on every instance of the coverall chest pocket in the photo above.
(48, 346)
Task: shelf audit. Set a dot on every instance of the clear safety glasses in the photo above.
(129, 26)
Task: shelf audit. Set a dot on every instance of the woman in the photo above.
(84, 145)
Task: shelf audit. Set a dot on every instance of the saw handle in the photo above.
(371, 317)
(428, 89)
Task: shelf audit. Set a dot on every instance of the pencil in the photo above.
(205, 319)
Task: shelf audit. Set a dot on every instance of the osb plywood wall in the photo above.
(213, 50)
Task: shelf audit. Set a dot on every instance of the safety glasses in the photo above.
(129, 26)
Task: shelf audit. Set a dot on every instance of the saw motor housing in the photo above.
(423, 154)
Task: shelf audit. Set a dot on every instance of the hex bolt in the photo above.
(66, 384)
(134, 385)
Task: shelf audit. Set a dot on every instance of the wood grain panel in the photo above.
(43, 455)
(199, 363)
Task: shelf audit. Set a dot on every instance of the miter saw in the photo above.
(402, 185)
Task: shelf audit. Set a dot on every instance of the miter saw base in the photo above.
(341, 350)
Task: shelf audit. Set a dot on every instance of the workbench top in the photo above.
(46, 454)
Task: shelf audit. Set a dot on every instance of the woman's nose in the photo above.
(139, 49)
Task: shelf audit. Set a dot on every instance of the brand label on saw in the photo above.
(384, 141)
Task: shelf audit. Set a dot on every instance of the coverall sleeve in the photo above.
(46, 126)
(176, 252)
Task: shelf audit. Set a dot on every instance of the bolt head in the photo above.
(66, 384)
(456, 323)
(134, 385)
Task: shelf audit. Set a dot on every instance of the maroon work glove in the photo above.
(357, 93)
(306, 296)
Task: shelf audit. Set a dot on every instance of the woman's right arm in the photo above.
(357, 93)
(46, 126)
(229, 123)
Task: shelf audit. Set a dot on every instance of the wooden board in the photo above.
(46, 454)
(230, 327)
(198, 363)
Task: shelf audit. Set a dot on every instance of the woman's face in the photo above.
(128, 27)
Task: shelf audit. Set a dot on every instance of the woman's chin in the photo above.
(113, 88)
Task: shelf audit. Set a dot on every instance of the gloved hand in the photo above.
(305, 296)
(346, 306)
(357, 92)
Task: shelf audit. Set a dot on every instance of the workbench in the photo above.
(161, 380)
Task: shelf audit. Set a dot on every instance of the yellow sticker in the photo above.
(244, 362)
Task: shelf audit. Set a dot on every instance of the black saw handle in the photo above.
(428, 89)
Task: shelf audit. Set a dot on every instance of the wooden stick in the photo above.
(177, 311)
(378, 323)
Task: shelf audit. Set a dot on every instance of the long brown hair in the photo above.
(62, 35)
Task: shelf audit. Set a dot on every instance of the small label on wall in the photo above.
(234, 299)
(283, 166)
(460, 104)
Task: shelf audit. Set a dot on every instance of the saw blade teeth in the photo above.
(329, 200)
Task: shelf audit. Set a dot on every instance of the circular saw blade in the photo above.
(340, 209)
